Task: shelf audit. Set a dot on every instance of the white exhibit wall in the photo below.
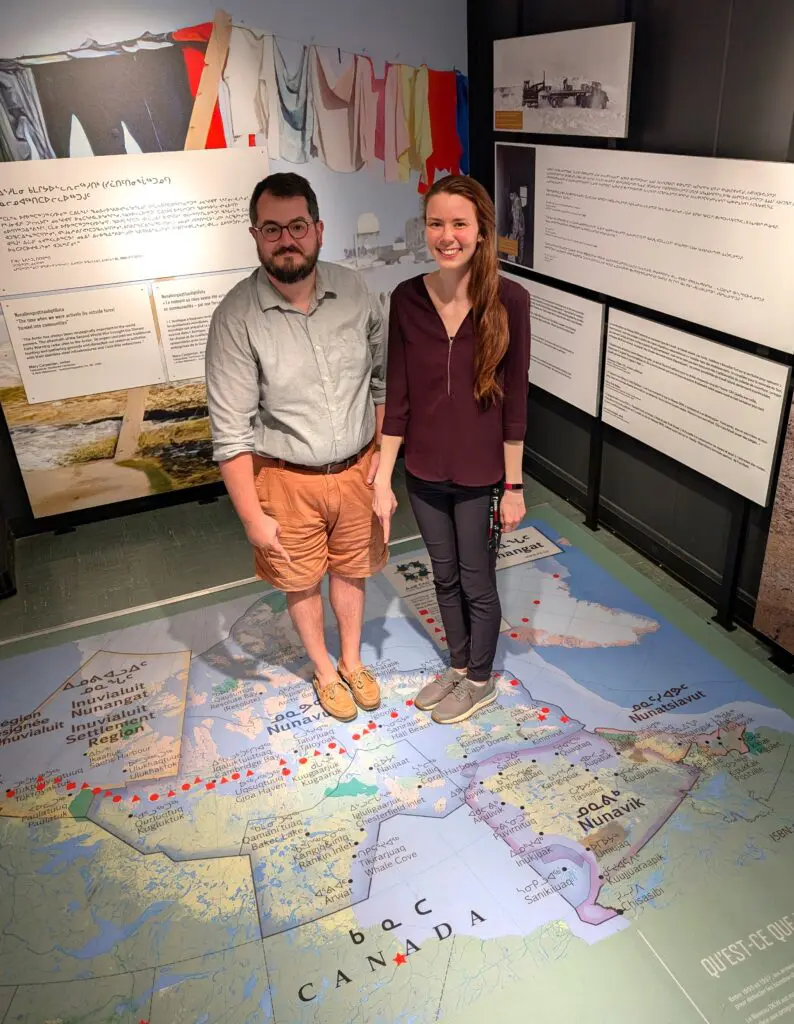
(705, 240)
(565, 350)
(705, 405)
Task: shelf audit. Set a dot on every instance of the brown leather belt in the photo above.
(330, 467)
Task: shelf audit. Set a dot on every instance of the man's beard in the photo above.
(296, 271)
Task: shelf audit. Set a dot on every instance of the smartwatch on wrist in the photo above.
(514, 487)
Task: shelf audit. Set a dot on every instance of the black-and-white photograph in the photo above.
(565, 83)
(515, 204)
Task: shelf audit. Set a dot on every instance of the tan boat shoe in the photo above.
(335, 699)
(363, 685)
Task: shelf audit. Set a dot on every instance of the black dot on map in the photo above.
(500, 773)
(565, 869)
(362, 830)
(129, 815)
(307, 834)
(600, 878)
(465, 755)
(503, 803)
(350, 881)
(586, 769)
(541, 833)
(556, 753)
(534, 761)
(419, 786)
(294, 751)
(356, 843)
(521, 808)
(371, 768)
(619, 913)
(587, 848)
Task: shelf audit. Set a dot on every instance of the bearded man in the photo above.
(295, 371)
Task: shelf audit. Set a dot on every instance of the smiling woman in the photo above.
(458, 360)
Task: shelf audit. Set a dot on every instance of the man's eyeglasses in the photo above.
(272, 232)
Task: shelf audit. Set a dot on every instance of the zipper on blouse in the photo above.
(449, 368)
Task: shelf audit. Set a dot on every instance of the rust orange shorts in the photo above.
(327, 524)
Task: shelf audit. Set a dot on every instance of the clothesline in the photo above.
(304, 101)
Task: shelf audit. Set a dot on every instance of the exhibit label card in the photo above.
(92, 221)
(703, 404)
(84, 343)
(706, 240)
(184, 311)
(565, 348)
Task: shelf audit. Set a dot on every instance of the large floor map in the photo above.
(186, 837)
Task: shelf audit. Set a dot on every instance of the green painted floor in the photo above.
(111, 567)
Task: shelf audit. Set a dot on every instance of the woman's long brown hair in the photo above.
(490, 316)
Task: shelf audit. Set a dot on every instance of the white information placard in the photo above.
(704, 404)
(84, 343)
(184, 311)
(92, 221)
(565, 352)
(706, 240)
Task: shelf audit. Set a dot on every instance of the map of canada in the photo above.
(191, 838)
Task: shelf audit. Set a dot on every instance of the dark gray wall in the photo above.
(711, 78)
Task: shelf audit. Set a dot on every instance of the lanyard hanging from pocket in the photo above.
(494, 520)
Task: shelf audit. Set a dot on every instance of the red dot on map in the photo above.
(514, 682)
(555, 576)
(235, 776)
(39, 786)
(356, 735)
(423, 611)
(431, 621)
(57, 780)
(536, 601)
(108, 793)
(525, 620)
(394, 714)
(409, 703)
(286, 771)
(342, 750)
(372, 725)
(11, 793)
(39, 778)
(117, 799)
(444, 639)
(545, 711)
(282, 761)
(565, 719)
(514, 636)
(96, 790)
(317, 753)
(210, 785)
(303, 760)
(331, 746)
(154, 796)
(71, 785)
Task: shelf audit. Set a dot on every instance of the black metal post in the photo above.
(737, 538)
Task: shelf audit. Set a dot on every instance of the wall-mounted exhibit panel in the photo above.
(705, 240)
(84, 343)
(93, 221)
(703, 404)
(567, 83)
(565, 356)
(184, 311)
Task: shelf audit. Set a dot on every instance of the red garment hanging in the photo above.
(194, 62)
(447, 150)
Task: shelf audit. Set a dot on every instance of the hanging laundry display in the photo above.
(462, 119)
(250, 78)
(395, 126)
(443, 98)
(296, 106)
(195, 39)
(23, 133)
(416, 108)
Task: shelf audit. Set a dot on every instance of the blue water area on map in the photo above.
(629, 675)
(36, 677)
(110, 933)
(68, 852)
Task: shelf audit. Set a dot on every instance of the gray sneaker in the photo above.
(437, 689)
(464, 700)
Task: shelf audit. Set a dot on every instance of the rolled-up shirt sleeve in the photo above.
(395, 420)
(232, 376)
(516, 369)
(376, 336)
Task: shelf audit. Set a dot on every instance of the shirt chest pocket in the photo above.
(348, 355)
